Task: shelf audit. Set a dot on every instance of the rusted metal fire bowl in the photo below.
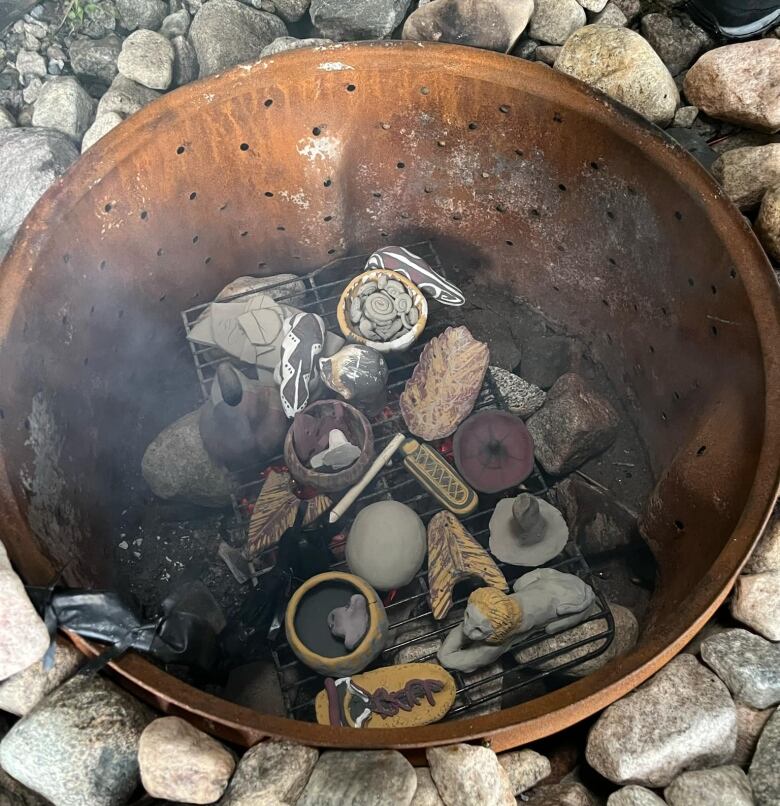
(524, 178)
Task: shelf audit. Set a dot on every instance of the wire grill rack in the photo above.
(412, 628)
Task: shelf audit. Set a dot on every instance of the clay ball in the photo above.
(386, 545)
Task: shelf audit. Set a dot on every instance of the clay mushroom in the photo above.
(493, 451)
(527, 531)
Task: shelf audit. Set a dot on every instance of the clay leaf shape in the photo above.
(275, 511)
(302, 343)
(413, 267)
(454, 555)
(445, 383)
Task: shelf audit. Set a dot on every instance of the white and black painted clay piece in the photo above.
(350, 622)
(401, 260)
(304, 337)
(356, 372)
(526, 530)
(494, 621)
(339, 454)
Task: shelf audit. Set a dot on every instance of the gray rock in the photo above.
(125, 97)
(677, 40)
(226, 32)
(30, 64)
(768, 223)
(30, 160)
(359, 19)
(490, 690)
(489, 24)
(30, 95)
(593, 5)
(426, 793)
(7, 120)
(141, 13)
(566, 793)
(102, 126)
(634, 796)
(185, 61)
(574, 425)
(283, 43)
(748, 664)
(361, 778)
(525, 769)
(176, 24)
(256, 685)
(756, 602)
(147, 59)
(96, 58)
(521, 397)
(79, 746)
(721, 786)
(181, 763)
(12, 793)
(554, 21)
(622, 64)
(626, 634)
(747, 173)
(631, 8)
(22, 692)
(22, 638)
(750, 723)
(272, 772)
(176, 466)
(764, 773)
(525, 49)
(611, 14)
(736, 83)
(64, 105)
(683, 717)
(289, 10)
(548, 54)
(685, 116)
(466, 774)
(766, 554)
(101, 20)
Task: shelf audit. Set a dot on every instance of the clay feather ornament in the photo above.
(413, 267)
(304, 337)
(445, 383)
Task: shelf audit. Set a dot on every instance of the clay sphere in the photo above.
(386, 545)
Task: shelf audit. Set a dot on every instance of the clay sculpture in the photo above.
(386, 545)
(339, 454)
(355, 372)
(403, 696)
(275, 511)
(445, 383)
(243, 423)
(527, 531)
(494, 621)
(350, 622)
(401, 260)
(493, 450)
(304, 337)
(454, 555)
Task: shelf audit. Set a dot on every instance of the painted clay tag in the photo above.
(302, 343)
(396, 258)
(403, 696)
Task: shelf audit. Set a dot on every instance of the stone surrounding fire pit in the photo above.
(706, 729)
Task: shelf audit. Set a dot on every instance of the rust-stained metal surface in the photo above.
(522, 177)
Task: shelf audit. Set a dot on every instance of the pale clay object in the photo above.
(526, 530)
(350, 622)
(494, 621)
(339, 454)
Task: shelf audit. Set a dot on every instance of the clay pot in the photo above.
(306, 624)
(357, 430)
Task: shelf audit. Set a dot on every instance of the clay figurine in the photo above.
(527, 531)
(438, 477)
(493, 450)
(275, 511)
(304, 337)
(494, 621)
(445, 383)
(454, 555)
(350, 622)
(401, 260)
(355, 372)
(386, 545)
(243, 423)
(403, 696)
(339, 454)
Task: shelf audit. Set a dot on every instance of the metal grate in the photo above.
(410, 611)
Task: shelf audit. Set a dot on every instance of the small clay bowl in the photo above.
(357, 430)
(306, 624)
(403, 342)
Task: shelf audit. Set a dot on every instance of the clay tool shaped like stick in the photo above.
(438, 477)
(352, 494)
